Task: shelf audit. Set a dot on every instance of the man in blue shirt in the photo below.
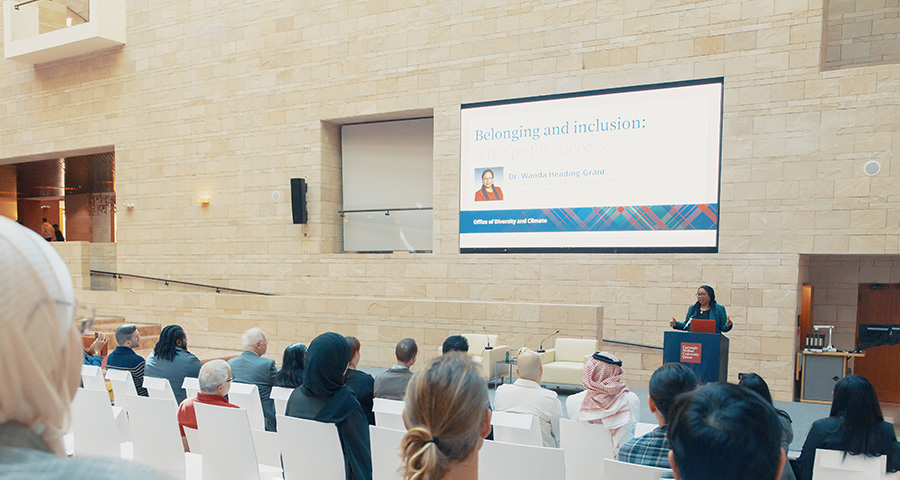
(666, 384)
(124, 358)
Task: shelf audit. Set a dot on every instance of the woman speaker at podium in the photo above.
(705, 308)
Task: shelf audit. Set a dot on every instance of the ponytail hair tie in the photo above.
(434, 440)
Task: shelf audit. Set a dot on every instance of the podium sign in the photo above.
(705, 353)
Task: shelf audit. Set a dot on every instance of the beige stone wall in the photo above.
(234, 103)
(861, 33)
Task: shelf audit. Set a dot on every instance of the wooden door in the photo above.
(880, 304)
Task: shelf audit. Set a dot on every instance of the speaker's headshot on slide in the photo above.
(488, 191)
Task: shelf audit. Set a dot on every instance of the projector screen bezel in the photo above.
(616, 249)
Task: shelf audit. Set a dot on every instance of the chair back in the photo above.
(632, 471)
(268, 447)
(832, 464)
(641, 429)
(478, 342)
(280, 396)
(155, 435)
(389, 413)
(228, 450)
(522, 462)
(574, 349)
(246, 395)
(583, 445)
(521, 428)
(386, 460)
(311, 449)
(191, 386)
(92, 378)
(159, 388)
(94, 426)
(122, 386)
(193, 439)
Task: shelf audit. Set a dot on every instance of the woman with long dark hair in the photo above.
(291, 373)
(855, 426)
(705, 308)
(756, 383)
(171, 360)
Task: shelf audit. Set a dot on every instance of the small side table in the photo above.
(509, 366)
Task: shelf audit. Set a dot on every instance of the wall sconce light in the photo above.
(129, 206)
(45, 206)
(203, 201)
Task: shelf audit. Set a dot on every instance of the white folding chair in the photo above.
(228, 450)
(268, 447)
(386, 458)
(157, 440)
(311, 449)
(246, 395)
(281, 395)
(159, 388)
(633, 471)
(641, 429)
(92, 378)
(521, 428)
(122, 386)
(191, 386)
(522, 462)
(389, 413)
(832, 464)
(94, 426)
(193, 439)
(583, 444)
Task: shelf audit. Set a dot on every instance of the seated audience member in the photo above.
(215, 382)
(250, 367)
(722, 431)
(855, 426)
(291, 373)
(171, 360)
(455, 343)
(324, 397)
(666, 383)
(92, 354)
(757, 384)
(448, 416)
(362, 383)
(41, 352)
(527, 396)
(391, 383)
(606, 400)
(124, 358)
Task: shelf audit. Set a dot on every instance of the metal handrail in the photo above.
(632, 344)
(167, 281)
(387, 211)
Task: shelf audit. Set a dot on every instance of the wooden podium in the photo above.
(705, 353)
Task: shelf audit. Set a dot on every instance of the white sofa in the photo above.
(487, 359)
(564, 363)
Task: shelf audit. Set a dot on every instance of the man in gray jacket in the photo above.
(392, 382)
(250, 367)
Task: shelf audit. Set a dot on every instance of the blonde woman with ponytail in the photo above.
(448, 416)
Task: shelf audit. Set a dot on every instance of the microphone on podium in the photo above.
(488, 347)
(541, 348)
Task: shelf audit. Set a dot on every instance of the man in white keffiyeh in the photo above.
(606, 400)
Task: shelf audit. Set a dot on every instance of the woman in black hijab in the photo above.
(323, 397)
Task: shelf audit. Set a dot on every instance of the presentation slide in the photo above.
(625, 170)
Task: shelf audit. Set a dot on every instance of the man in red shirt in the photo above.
(215, 382)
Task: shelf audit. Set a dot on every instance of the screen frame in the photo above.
(607, 91)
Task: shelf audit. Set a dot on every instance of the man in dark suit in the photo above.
(250, 367)
(391, 383)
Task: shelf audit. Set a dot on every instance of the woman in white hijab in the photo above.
(40, 364)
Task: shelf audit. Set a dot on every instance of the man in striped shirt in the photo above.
(124, 358)
(666, 384)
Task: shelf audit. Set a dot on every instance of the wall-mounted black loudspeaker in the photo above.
(298, 200)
